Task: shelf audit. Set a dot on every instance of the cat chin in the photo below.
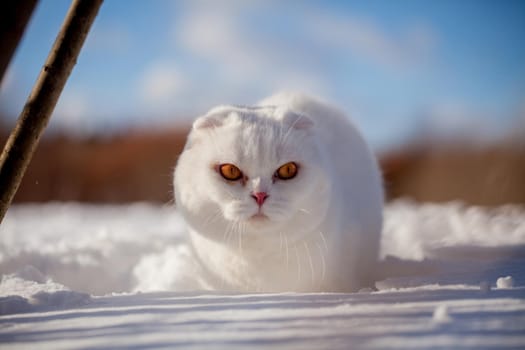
(257, 223)
(260, 222)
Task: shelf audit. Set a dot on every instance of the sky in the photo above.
(400, 69)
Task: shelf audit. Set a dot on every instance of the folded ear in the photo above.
(296, 120)
(215, 118)
(208, 121)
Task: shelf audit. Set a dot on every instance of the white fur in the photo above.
(323, 227)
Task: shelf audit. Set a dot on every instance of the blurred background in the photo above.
(437, 88)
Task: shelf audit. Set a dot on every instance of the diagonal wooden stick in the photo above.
(32, 121)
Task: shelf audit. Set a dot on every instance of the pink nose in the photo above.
(259, 197)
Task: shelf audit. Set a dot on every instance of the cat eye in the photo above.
(230, 172)
(287, 171)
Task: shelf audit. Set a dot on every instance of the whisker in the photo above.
(305, 211)
(298, 264)
(287, 254)
(324, 240)
(323, 262)
(310, 260)
(230, 232)
(280, 242)
(212, 217)
(226, 239)
(239, 232)
(226, 235)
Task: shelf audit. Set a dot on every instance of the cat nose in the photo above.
(259, 197)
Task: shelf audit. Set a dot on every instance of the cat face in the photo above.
(259, 168)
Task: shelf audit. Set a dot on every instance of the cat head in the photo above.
(255, 168)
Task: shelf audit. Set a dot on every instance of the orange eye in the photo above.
(230, 172)
(287, 171)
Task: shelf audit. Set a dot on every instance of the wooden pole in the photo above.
(41, 102)
(14, 16)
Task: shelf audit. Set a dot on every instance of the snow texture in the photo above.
(87, 276)
(505, 282)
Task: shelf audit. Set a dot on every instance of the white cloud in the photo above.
(161, 83)
(365, 39)
(291, 50)
(226, 33)
(244, 60)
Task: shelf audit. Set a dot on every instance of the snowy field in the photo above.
(102, 277)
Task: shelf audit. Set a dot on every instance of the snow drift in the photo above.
(85, 276)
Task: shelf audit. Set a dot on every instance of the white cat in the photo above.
(284, 196)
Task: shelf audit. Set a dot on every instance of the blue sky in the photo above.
(400, 68)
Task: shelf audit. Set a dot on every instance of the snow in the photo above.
(441, 315)
(505, 282)
(93, 276)
(23, 291)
